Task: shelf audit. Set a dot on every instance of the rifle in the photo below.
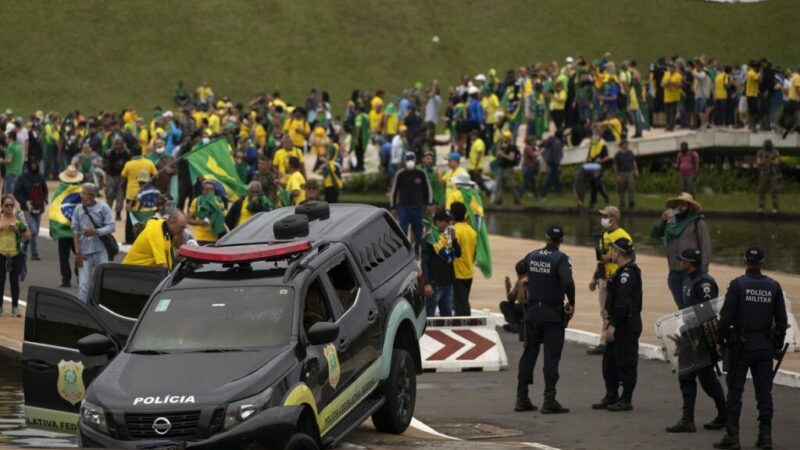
(780, 360)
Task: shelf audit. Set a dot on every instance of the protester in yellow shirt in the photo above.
(131, 172)
(296, 182)
(155, 245)
(464, 265)
(280, 161)
(671, 82)
(297, 128)
(203, 227)
(376, 119)
(477, 151)
(214, 122)
(794, 90)
(751, 92)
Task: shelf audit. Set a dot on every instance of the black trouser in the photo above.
(461, 288)
(551, 334)
(512, 312)
(360, 148)
(758, 359)
(598, 186)
(620, 363)
(331, 195)
(672, 111)
(13, 275)
(477, 177)
(709, 383)
(65, 246)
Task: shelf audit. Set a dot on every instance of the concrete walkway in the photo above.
(486, 294)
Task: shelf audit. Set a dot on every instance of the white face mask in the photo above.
(605, 222)
(410, 164)
(160, 150)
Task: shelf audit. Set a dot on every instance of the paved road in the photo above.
(474, 404)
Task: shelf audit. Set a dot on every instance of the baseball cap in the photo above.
(691, 255)
(410, 155)
(754, 254)
(555, 233)
(455, 156)
(441, 215)
(610, 211)
(569, 60)
(507, 134)
(623, 245)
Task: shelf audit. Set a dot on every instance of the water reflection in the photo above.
(13, 431)
(729, 237)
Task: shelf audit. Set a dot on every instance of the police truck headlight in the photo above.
(241, 410)
(94, 416)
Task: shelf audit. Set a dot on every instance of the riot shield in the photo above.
(688, 337)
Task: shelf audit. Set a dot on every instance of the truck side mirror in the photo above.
(95, 345)
(323, 333)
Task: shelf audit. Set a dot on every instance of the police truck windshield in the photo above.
(215, 320)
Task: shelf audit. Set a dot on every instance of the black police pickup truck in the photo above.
(289, 332)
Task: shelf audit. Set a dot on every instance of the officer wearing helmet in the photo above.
(752, 327)
(549, 280)
(624, 308)
(699, 287)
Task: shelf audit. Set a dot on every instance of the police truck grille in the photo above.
(183, 424)
(217, 421)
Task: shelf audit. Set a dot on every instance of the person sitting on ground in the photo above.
(512, 307)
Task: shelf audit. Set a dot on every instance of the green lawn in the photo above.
(94, 55)
(736, 202)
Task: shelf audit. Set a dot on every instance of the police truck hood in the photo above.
(171, 380)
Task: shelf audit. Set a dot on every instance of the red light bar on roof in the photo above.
(242, 253)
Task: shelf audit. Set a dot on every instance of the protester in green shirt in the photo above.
(13, 162)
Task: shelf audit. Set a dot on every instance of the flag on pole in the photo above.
(214, 161)
(65, 198)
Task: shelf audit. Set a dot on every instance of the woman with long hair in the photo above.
(12, 260)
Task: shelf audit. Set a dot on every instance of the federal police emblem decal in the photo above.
(334, 370)
(70, 381)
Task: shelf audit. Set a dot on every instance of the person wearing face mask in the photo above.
(680, 227)
(164, 164)
(610, 221)
(246, 207)
(624, 309)
(409, 195)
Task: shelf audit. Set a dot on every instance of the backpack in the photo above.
(37, 198)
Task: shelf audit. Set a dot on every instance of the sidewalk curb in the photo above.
(647, 351)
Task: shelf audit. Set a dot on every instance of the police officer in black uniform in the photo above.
(700, 287)
(624, 307)
(549, 279)
(752, 328)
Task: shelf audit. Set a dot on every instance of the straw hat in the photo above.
(684, 197)
(70, 175)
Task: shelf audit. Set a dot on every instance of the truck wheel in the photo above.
(400, 392)
(301, 441)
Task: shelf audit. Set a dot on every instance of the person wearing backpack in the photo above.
(31, 193)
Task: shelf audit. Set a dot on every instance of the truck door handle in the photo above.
(343, 344)
(37, 364)
(372, 315)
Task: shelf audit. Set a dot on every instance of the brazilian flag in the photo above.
(214, 161)
(474, 204)
(65, 199)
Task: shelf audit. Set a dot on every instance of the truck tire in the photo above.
(301, 441)
(400, 392)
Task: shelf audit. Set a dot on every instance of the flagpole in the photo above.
(185, 154)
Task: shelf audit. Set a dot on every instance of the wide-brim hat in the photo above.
(70, 175)
(684, 197)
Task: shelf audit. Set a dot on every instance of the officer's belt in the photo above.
(756, 335)
(546, 305)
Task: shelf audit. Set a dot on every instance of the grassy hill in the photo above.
(94, 55)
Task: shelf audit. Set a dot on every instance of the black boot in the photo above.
(764, 435)
(610, 398)
(717, 424)
(551, 405)
(683, 426)
(523, 402)
(624, 403)
(731, 438)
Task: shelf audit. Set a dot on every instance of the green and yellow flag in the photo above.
(65, 198)
(214, 161)
(483, 255)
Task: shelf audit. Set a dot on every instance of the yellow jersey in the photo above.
(604, 247)
(464, 265)
(202, 232)
(281, 159)
(720, 86)
(794, 88)
(153, 246)
(297, 129)
(476, 152)
(296, 182)
(672, 93)
(751, 85)
(131, 171)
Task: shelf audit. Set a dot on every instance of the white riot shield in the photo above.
(688, 337)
